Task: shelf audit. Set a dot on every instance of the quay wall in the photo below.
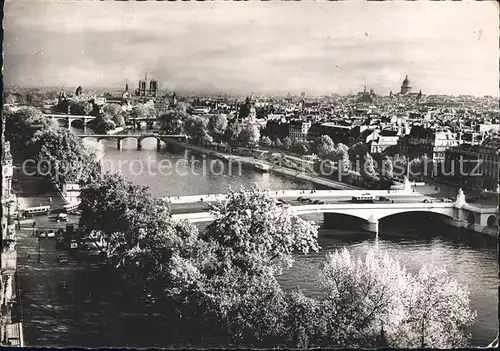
(249, 161)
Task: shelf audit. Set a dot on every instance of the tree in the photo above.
(217, 125)
(387, 167)
(68, 161)
(110, 111)
(104, 125)
(368, 168)
(249, 135)
(265, 141)
(197, 128)
(172, 122)
(143, 111)
(278, 143)
(230, 280)
(287, 143)
(80, 106)
(325, 147)
(357, 152)
(21, 125)
(232, 134)
(360, 297)
(119, 120)
(342, 157)
(131, 206)
(436, 312)
(299, 147)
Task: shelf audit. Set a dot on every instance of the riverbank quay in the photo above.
(250, 162)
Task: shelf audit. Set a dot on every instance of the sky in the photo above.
(261, 47)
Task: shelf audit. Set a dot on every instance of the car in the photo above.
(73, 244)
(310, 201)
(62, 217)
(427, 201)
(445, 199)
(42, 234)
(383, 198)
(320, 202)
(51, 234)
(300, 198)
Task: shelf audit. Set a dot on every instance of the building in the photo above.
(427, 141)
(378, 140)
(147, 91)
(299, 129)
(405, 87)
(10, 329)
(489, 153)
(460, 166)
(338, 133)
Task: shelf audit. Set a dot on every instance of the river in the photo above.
(470, 260)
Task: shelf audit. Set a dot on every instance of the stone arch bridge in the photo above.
(457, 214)
(68, 120)
(139, 137)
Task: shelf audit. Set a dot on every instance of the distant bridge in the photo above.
(139, 137)
(458, 214)
(68, 120)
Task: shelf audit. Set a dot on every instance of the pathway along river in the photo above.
(470, 259)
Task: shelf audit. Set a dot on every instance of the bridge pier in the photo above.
(119, 144)
(371, 226)
(150, 124)
(158, 144)
(139, 144)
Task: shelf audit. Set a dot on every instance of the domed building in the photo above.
(405, 87)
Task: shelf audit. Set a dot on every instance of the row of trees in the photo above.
(204, 130)
(218, 286)
(55, 151)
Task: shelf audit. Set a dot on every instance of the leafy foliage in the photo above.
(172, 122)
(265, 141)
(249, 135)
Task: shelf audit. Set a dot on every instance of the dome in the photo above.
(406, 82)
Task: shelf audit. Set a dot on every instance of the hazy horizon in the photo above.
(446, 48)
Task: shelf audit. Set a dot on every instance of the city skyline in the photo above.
(265, 47)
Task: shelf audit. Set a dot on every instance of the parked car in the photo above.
(42, 234)
(445, 199)
(318, 202)
(300, 198)
(383, 198)
(310, 201)
(51, 234)
(427, 201)
(62, 217)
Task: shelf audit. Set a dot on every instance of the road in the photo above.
(203, 207)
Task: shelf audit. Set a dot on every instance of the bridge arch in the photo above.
(149, 137)
(492, 221)
(61, 121)
(77, 122)
(436, 212)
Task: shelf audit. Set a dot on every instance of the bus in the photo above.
(363, 199)
(35, 211)
(69, 208)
